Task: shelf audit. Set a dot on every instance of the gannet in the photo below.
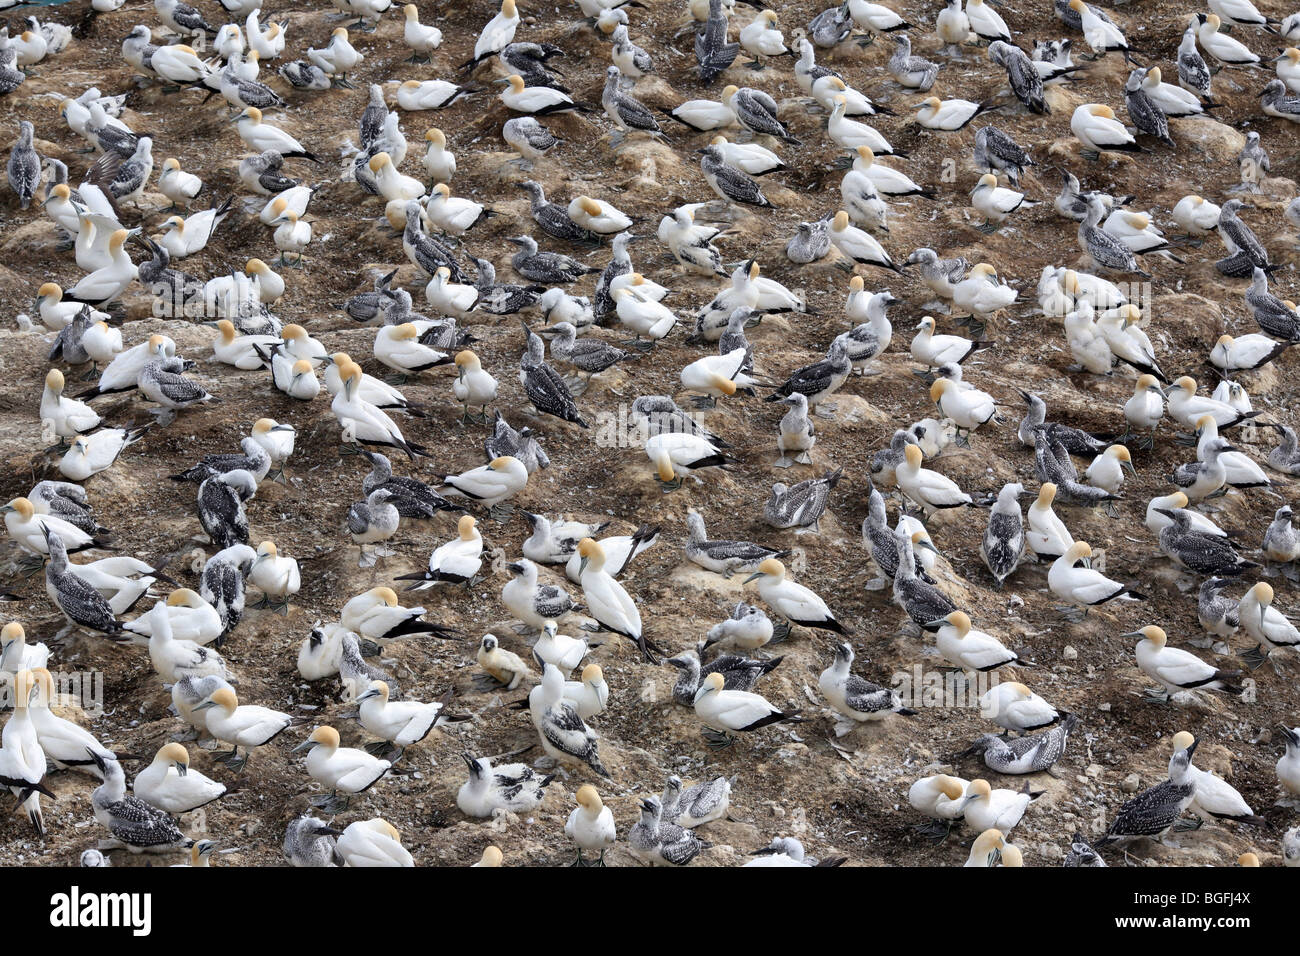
(1269, 627)
(564, 735)
(1003, 544)
(337, 58)
(24, 166)
(607, 601)
(986, 808)
(1014, 707)
(1083, 587)
(162, 382)
(560, 650)
(850, 134)
(29, 531)
(697, 805)
(1288, 775)
(362, 420)
(191, 619)
(1215, 798)
(1185, 406)
(533, 604)
(1021, 755)
(987, 848)
(74, 595)
(106, 284)
(308, 841)
(1240, 470)
(16, 654)
(1174, 669)
(1153, 811)
(590, 825)
(401, 723)
(505, 667)
(169, 783)
(338, 768)
(556, 541)
(66, 744)
(800, 505)
(968, 408)
(659, 842)
(1198, 216)
(512, 788)
(747, 628)
(221, 584)
(370, 843)
(940, 797)
(175, 658)
(132, 824)
(221, 506)
(67, 416)
(1222, 48)
(738, 673)
(22, 759)
(852, 697)
(928, 489)
(796, 603)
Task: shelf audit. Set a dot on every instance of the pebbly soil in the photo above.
(844, 796)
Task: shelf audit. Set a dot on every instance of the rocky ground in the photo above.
(842, 796)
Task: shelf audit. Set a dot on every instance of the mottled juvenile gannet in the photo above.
(133, 825)
(1003, 544)
(855, 699)
(1153, 811)
(1034, 753)
(801, 505)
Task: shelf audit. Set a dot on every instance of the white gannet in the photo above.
(22, 760)
(66, 417)
(373, 842)
(1221, 47)
(1084, 587)
(973, 651)
(590, 825)
(1265, 624)
(986, 808)
(240, 725)
(793, 601)
(189, 617)
(399, 722)
(338, 768)
(1094, 125)
(1215, 799)
(607, 601)
(929, 489)
(260, 136)
(170, 784)
(66, 744)
(726, 712)
(1016, 708)
(1174, 669)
